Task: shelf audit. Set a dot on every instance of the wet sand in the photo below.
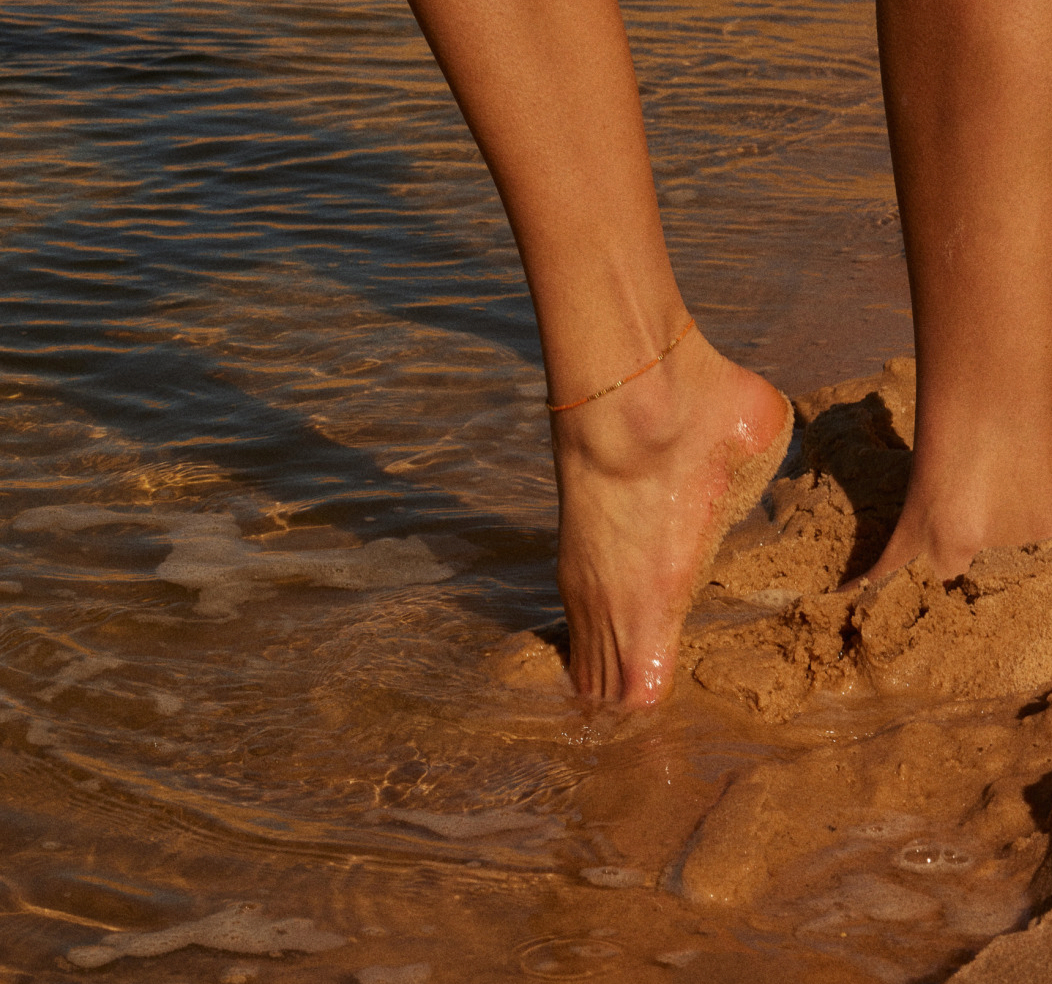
(917, 780)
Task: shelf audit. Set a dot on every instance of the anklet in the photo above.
(627, 379)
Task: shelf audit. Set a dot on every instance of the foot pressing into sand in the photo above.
(650, 478)
(995, 493)
(950, 552)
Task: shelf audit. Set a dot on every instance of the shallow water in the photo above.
(259, 309)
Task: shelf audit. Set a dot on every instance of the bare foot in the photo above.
(1000, 498)
(650, 477)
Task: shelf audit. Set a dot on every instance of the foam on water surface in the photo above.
(934, 857)
(211, 557)
(613, 877)
(240, 929)
(484, 823)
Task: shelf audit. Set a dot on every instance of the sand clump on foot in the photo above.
(748, 479)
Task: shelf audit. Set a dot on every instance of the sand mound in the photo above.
(988, 634)
(840, 492)
(780, 636)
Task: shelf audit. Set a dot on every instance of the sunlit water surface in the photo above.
(276, 476)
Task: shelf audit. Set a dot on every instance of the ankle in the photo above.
(647, 416)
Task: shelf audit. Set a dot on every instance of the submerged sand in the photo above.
(915, 710)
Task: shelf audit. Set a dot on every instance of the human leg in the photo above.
(549, 92)
(968, 94)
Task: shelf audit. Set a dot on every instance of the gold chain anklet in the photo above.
(627, 379)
